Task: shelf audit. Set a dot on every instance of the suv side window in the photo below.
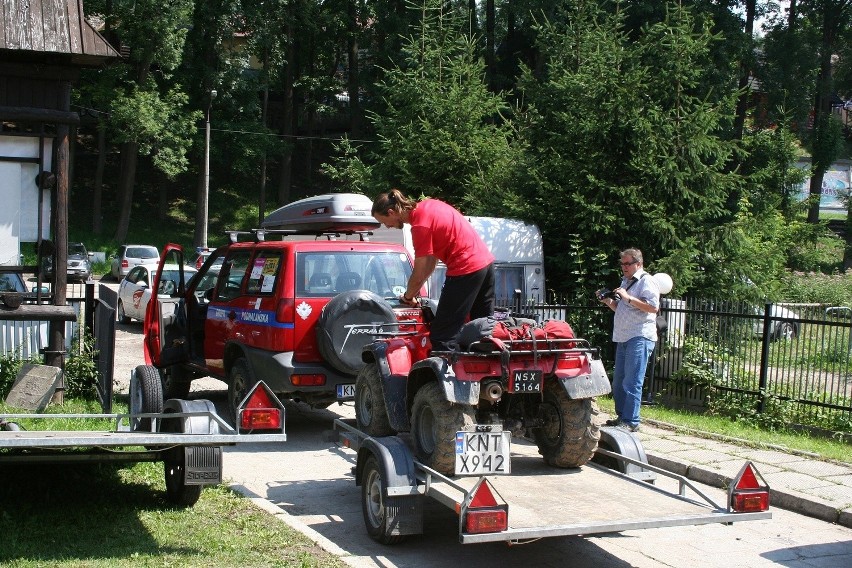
(264, 273)
(231, 276)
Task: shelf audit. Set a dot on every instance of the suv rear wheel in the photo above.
(240, 380)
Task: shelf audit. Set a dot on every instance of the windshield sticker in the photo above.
(304, 310)
(257, 269)
(270, 266)
(267, 284)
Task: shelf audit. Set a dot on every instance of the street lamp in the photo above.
(206, 198)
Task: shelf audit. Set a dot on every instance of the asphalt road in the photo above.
(307, 483)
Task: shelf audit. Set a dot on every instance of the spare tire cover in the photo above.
(347, 323)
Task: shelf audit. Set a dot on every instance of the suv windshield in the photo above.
(77, 249)
(330, 273)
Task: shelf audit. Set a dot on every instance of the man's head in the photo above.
(631, 261)
(391, 209)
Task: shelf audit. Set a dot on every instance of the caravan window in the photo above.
(507, 279)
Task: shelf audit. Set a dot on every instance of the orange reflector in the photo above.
(748, 494)
(307, 380)
(260, 412)
(486, 520)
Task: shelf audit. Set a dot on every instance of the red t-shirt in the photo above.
(439, 230)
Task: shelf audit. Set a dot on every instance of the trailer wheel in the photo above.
(373, 504)
(370, 411)
(240, 380)
(569, 435)
(175, 384)
(434, 423)
(177, 492)
(146, 395)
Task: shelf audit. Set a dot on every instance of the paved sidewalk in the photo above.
(797, 482)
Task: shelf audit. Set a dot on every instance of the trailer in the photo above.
(617, 491)
(187, 436)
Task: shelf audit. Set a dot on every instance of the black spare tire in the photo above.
(347, 323)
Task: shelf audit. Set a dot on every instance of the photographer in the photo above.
(635, 303)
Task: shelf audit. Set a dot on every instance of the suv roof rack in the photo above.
(260, 235)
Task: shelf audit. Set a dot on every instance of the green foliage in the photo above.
(160, 126)
(813, 287)
(440, 132)
(81, 371)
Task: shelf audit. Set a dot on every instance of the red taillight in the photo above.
(261, 412)
(569, 362)
(307, 380)
(749, 493)
(286, 310)
(486, 512)
(124, 263)
(486, 520)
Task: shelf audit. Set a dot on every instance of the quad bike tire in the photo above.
(371, 413)
(434, 423)
(570, 433)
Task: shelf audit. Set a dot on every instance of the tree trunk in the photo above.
(97, 191)
(490, 61)
(285, 181)
(745, 72)
(126, 178)
(354, 82)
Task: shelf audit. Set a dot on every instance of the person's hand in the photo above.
(412, 302)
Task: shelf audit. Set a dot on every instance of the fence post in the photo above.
(89, 307)
(764, 358)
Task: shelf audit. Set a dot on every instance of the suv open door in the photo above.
(154, 317)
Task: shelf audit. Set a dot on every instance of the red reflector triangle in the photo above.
(748, 480)
(483, 497)
(259, 399)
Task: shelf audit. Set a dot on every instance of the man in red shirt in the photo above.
(440, 232)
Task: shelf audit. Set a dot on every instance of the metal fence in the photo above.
(789, 359)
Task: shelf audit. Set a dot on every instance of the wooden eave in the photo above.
(53, 29)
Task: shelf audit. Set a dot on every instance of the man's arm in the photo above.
(423, 268)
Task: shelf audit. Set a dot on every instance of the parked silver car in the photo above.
(79, 265)
(133, 255)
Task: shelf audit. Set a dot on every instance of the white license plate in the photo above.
(483, 453)
(345, 391)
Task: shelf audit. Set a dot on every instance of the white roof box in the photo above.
(324, 213)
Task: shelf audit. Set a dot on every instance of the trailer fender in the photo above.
(403, 503)
(626, 444)
(188, 468)
(594, 384)
(457, 392)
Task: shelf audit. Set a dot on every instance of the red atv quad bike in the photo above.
(517, 379)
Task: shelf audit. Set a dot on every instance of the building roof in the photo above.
(53, 29)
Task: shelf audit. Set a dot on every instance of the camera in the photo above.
(607, 293)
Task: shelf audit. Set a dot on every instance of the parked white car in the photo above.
(134, 290)
(784, 323)
(133, 255)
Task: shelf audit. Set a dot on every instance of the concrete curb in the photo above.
(779, 498)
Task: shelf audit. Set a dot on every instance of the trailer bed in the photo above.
(545, 501)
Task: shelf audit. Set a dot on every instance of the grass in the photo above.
(101, 515)
(714, 426)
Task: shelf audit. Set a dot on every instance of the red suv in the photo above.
(294, 312)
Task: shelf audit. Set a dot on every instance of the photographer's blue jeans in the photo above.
(631, 361)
